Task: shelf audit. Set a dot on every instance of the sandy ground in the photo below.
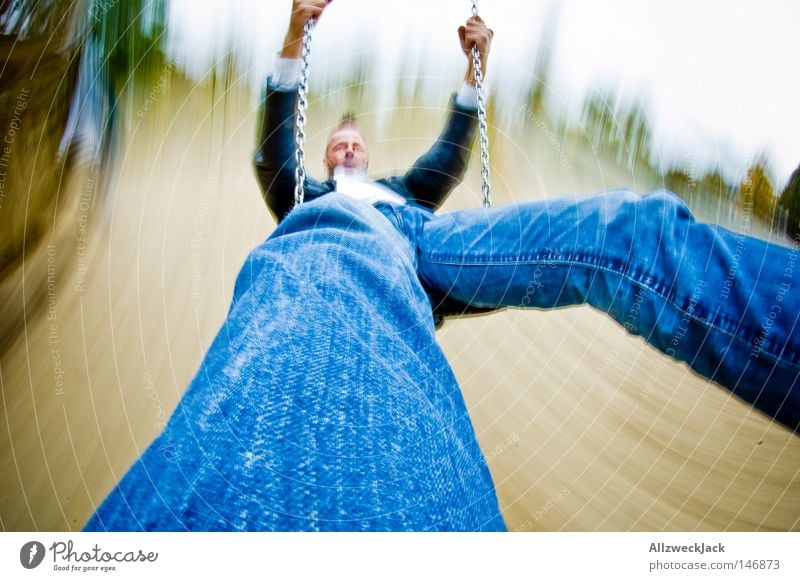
(584, 427)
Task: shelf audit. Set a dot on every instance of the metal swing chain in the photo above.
(300, 119)
(482, 126)
(302, 106)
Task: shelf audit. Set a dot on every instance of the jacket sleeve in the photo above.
(275, 155)
(434, 175)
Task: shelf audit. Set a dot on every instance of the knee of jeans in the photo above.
(668, 205)
(660, 219)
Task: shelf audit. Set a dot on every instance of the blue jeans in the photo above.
(325, 403)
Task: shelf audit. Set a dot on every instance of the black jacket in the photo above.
(428, 183)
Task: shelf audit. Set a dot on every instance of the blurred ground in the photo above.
(583, 426)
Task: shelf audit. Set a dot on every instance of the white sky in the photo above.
(718, 77)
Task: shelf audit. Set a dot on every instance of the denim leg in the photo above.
(726, 304)
(324, 403)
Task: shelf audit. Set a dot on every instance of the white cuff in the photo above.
(285, 73)
(467, 97)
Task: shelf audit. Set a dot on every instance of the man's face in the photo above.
(346, 148)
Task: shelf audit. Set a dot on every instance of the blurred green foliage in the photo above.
(130, 35)
(756, 192)
(790, 205)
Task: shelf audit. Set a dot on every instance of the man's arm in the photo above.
(275, 156)
(434, 175)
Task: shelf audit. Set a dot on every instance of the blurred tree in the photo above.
(63, 63)
(679, 181)
(790, 203)
(756, 191)
(40, 51)
(714, 183)
(130, 37)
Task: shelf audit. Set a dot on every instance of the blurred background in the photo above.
(128, 204)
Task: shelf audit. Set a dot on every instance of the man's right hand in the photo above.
(302, 12)
(475, 33)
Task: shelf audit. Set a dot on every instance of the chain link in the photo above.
(486, 185)
(300, 119)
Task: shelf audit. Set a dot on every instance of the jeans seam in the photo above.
(451, 260)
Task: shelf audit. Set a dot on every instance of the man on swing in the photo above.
(429, 181)
(325, 402)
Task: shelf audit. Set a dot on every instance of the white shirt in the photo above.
(357, 185)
